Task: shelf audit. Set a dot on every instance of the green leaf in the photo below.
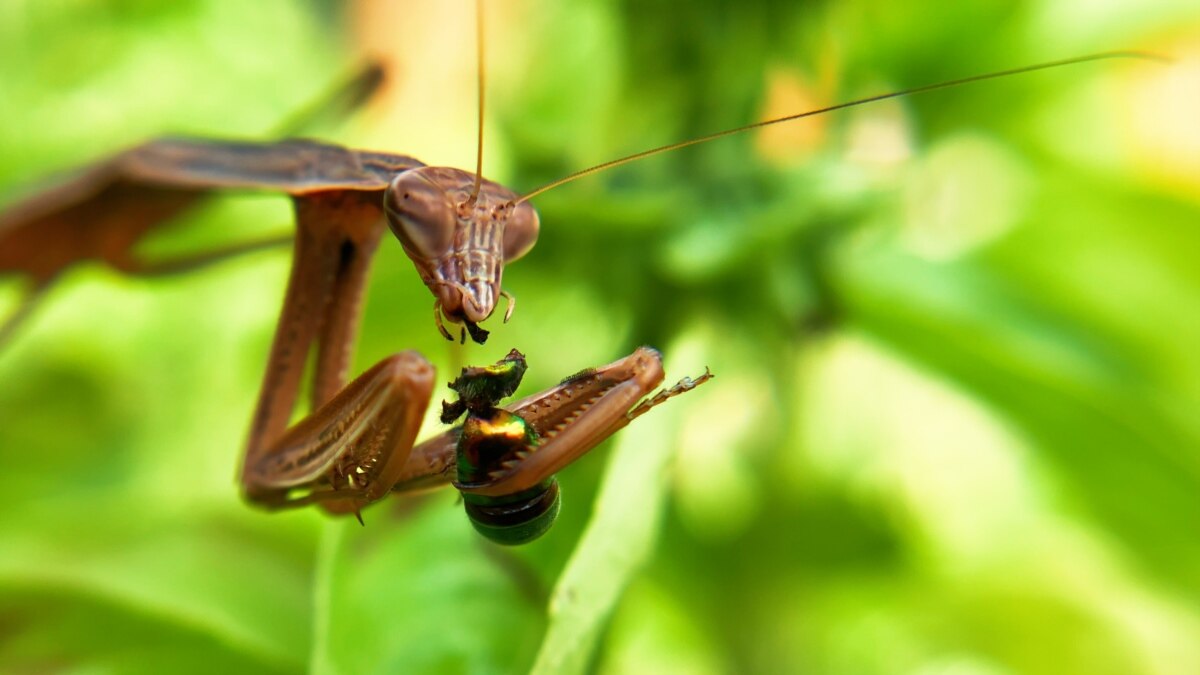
(417, 591)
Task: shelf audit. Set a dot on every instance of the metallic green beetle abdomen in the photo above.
(488, 440)
(515, 519)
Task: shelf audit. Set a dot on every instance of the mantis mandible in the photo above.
(459, 230)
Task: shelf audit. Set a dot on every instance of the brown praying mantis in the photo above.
(358, 442)
(460, 230)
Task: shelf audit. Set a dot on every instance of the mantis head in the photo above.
(460, 239)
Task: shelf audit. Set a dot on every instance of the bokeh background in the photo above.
(955, 423)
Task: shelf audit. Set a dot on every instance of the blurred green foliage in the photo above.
(954, 423)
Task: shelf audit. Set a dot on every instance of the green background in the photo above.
(957, 344)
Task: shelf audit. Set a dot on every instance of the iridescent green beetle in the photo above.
(494, 444)
(491, 436)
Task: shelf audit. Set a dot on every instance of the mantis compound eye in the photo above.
(420, 214)
(521, 232)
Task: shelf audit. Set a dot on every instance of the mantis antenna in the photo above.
(841, 106)
(480, 70)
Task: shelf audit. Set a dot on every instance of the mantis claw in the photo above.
(683, 386)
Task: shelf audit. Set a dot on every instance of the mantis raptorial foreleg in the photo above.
(336, 235)
(358, 445)
(353, 446)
